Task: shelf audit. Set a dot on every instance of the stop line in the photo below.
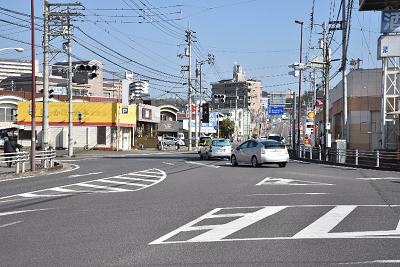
(128, 182)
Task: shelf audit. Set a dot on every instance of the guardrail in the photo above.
(376, 159)
(21, 158)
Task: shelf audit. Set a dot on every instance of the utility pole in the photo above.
(45, 118)
(33, 122)
(326, 95)
(189, 35)
(63, 20)
(344, 78)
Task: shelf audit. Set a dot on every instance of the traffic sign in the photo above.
(199, 97)
(124, 110)
(275, 110)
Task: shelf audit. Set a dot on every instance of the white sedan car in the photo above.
(260, 151)
(216, 148)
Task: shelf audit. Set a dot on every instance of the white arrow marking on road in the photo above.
(282, 181)
(86, 174)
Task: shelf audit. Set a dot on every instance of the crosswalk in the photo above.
(250, 223)
(128, 182)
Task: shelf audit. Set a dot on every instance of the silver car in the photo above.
(216, 148)
(260, 151)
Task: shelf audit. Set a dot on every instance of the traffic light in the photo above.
(206, 113)
(51, 91)
(90, 69)
(220, 97)
(79, 117)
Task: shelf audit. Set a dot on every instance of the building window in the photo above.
(25, 135)
(101, 135)
(8, 114)
(106, 94)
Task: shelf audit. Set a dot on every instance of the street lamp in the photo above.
(299, 111)
(18, 49)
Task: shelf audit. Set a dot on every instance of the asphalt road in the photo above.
(151, 208)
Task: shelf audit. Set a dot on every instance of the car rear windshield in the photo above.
(221, 143)
(275, 137)
(273, 145)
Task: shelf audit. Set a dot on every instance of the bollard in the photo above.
(356, 157)
(377, 158)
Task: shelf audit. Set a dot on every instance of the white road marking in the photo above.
(202, 164)
(148, 177)
(371, 262)
(9, 224)
(168, 163)
(384, 178)
(319, 229)
(289, 194)
(86, 174)
(20, 211)
(282, 181)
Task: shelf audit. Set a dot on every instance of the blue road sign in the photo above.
(124, 110)
(275, 110)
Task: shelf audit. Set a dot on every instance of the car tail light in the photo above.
(231, 149)
(210, 149)
(263, 150)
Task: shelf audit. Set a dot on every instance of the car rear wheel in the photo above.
(201, 156)
(234, 161)
(254, 161)
(208, 157)
(282, 164)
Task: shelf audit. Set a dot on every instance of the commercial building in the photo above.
(239, 93)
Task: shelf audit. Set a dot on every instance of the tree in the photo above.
(226, 128)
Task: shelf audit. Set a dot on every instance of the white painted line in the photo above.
(168, 163)
(21, 211)
(260, 183)
(202, 164)
(289, 194)
(9, 224)
(370, 262)
(219, 232)
(385, 178)
(86, 174)
(325, 223)
(108, 180)
(103, 187)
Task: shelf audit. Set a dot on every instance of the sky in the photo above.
(146, 36)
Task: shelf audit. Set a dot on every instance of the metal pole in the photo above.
(45, 118)
(33, 122)
(189, 39)
(218, 122)
(70, 118)
(299, 107)
(294, 124)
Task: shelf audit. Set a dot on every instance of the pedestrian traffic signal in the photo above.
(79, 117)
(206, 113)
(51, 91)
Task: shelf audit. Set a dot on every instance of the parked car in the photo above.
(216, 148)
(169, 140)
(260, 151)
(201, 142)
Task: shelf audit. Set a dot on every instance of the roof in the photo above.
(369, 5)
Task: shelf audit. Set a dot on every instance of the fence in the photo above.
(376, 159)
(21, 158)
